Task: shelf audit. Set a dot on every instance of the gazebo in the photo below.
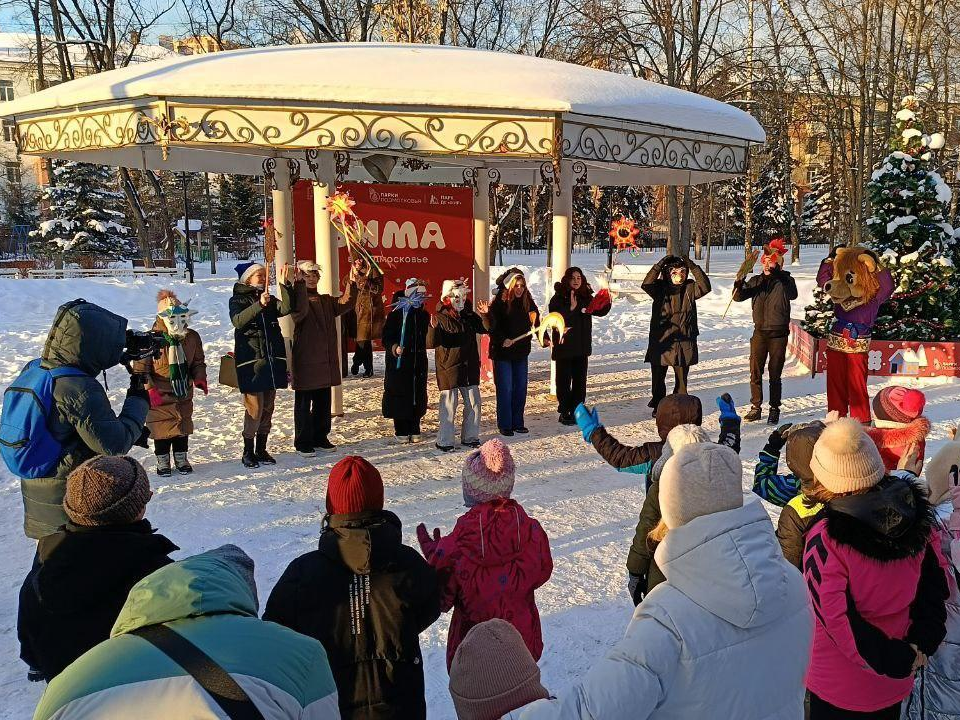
(450, 115)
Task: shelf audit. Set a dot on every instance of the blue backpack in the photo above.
(28, 447)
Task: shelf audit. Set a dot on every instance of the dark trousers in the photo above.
(769, 352)
(406, 426)
(179, 444)
(571, 383)
(822, 710)
(363, 357)
(311, 418)
(659, 373)
(510, 378)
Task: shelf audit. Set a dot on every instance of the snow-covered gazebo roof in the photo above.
(451, 108)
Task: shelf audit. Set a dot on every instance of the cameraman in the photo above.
(87, 337)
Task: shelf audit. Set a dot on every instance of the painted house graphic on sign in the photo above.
(906, 361)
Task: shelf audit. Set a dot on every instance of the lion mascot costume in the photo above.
(858, 286)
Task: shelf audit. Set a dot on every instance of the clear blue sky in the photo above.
(17, 20)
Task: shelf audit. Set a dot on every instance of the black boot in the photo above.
(263, 457)
(249, 458)
(773, 417)
(754, 414)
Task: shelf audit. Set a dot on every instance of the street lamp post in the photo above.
(186, 228)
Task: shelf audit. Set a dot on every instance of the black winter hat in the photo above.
(799, 450)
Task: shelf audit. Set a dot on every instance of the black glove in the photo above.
(138, 387)
(636, 586)
(778, 438)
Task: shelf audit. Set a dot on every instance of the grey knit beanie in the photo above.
(239, 561)
(700, 479)
(106, 490)
(493, 673)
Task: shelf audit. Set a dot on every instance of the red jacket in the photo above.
(489, 566)
(893, 440)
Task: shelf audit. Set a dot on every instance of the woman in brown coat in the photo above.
(316, 364)
(170, 380)
(370, 315)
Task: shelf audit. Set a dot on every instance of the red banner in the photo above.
(414, 231)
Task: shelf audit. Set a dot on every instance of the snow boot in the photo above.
(444, 448)
(470, 443)
(306, 452)
(249, 458)
(773, 417)
(183, 465)
(263, 457)
(521, 430)
(754, 415)
(324, 445)
(163, 465)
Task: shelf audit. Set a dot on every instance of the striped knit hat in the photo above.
(488, 473)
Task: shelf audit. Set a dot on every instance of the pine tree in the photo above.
(817, 218)
(730, 201)
(86, 217)
(910, 232)
(241, 211)
(772, 205)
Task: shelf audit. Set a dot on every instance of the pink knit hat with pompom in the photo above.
(488, 473)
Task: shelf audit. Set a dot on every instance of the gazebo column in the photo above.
(481, 237)
(327, 252)
(283, 227)
(560, 251)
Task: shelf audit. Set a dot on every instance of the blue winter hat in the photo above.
(246, 269)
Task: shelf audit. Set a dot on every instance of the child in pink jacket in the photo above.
(496, 556)
(877, 580)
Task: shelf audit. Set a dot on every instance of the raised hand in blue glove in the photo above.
(728, 411)
(587, 420)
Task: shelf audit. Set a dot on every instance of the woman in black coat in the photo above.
(512, 313)
(571, 297)
(675, 284)
(405, 377)
(260, 353)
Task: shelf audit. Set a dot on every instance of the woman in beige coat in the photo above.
(170, 380)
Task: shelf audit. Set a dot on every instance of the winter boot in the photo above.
(444, 448)
(249, 458)
(773, 417)
(163, 465)
(263, 457)
(183, 465)
(324, 445)
(754, 414)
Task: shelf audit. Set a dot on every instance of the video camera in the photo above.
(141, 345)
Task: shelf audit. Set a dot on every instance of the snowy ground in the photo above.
(587, 509)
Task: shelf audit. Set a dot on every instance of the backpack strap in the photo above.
(66, 371)
(218, 683)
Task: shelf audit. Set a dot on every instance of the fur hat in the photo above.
(701, 479)
(247, 270)
(845, 459)
(493, 673)
(166, 299)
(942, 470)
(488, 473)
(896, 404)
(354, 486)
(450, 285)
(106, 490)
(799, 448)
(308, 266)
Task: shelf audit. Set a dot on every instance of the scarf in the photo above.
(177, 360)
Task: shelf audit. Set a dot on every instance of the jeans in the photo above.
(763, 348)
(311, 418)
(470, 430)
(659, 373)
(571, 383)
(510, 377)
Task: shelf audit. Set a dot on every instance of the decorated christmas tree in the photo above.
(910, 232)
(85, 211)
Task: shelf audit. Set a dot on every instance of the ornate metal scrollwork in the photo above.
(341, 161)
(579, 169)
(470, 179)
(549, 174)
(269, 173)
(494, 176)
(294, 167)
(414, 164)
(312, 158)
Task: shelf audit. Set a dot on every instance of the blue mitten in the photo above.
(728, 411)
(587, 420)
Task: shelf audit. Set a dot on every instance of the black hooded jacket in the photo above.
(366, 597)
(72, 596)
(673, 318)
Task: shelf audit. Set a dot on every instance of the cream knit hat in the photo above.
(493, 673)
(700, 479)
(845, 459)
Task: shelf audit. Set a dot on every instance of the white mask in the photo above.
(176, 319)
